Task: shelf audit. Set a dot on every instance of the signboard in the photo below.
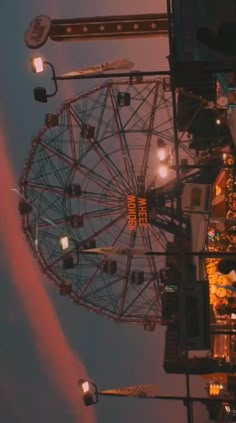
(137, 212)
(95, 28)
(37, 33)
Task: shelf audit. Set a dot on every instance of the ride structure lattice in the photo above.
(91, 179)
(91, 176)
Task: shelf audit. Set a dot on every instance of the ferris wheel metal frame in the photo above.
(164, 199)
(116, 184)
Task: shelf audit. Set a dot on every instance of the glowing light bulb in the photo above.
(163, 171)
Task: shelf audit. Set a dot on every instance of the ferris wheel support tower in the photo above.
(95, 28)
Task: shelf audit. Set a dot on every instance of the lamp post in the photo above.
(91, 394)
(132, 74)
(138, 252)
(40, 93)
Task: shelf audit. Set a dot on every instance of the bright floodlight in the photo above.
(64, 242)
(161, 154)
(163, 171)
(227, 409)
(89, 391)
(218, 121)
(37, 64)
(162, 149)
(85, 386)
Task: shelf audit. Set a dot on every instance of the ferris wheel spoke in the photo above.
(100, 197)
(57, 172)
(109, 164)
(132, 239)
(95, 234)
(104, 293)
(91, 279)
(57, 222)
(125, 152)
(72, 135)
(110, 208)
(58, 153)
(104, 212)
(40, 163)
(96, 142)
(59, 138)
(138, 119)
(159, 237)
(104, 183)
(98, 179)
(45, 171)
(139, 296)
(49, 203)
(151, 262)
(147, 243)
(81, 168)
(46, 187)
(160, 129)
(149, 135)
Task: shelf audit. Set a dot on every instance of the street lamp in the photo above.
(37, 64)
(64, 242)
(91, 394)
(40, 93)
(70, 250)
(163, 150)
(138, 252)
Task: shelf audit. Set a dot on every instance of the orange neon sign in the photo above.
(137, 212)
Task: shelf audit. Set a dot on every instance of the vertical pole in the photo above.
(189, 404)
(174, 105)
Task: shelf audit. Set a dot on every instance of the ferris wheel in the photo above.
(91, 179)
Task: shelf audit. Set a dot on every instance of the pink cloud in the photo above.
(52, 345)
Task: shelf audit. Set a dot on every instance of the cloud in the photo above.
(52, 345)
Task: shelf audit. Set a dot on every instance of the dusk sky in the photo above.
(47, 343)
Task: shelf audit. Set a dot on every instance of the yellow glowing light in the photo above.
(221, 292)
(37, 64)
(215, 389)
(213, 289)
(222, 280)
(218, 190)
